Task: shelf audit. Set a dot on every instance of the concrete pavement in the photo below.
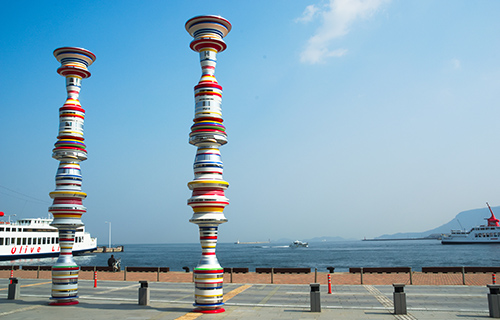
(119, 300)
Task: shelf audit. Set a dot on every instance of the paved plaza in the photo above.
(169, 300)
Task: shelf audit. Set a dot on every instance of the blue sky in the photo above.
(344, 118)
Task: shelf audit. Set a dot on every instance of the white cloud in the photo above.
(308, 14)
(336, 18)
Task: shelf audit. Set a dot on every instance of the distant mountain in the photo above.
(463, 220)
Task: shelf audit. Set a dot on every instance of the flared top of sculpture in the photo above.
(74, 61)
(208, 32)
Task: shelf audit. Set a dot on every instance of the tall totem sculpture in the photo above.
(208, 134)
(69, 150)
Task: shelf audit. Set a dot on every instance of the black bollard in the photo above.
(330, 269)
(144, 293)
(399, 298)
(13, 289)
(186, 269)
(315, 298)
(494, 300)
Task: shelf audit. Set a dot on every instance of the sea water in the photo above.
(341, 255)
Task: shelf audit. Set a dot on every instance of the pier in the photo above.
(105, 249)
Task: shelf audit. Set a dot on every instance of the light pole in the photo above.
(10, 215)
(109, 233)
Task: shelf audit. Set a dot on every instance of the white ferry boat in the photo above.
(482, 234)
(35, 238)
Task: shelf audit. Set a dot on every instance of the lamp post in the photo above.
(109, 233)
(11, 215)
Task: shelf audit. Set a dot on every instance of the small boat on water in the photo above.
(36, 238)
(483, 234)
(299, 244)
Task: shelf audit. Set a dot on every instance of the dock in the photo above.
(105, 249)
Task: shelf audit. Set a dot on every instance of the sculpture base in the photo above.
(60, 303)
(220, 310)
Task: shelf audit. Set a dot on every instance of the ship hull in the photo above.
(36, 238)
(42, 255)
(470, 242)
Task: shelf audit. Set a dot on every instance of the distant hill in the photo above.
(463, 220)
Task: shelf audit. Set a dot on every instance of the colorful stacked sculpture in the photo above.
(208, 134)
(69, 150)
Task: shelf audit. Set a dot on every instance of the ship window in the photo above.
(53, 240)
(7, 229)
(18, 241)
(29, 241)
(24, 241)
(34, 240)
(7, 241)
(57, 240)
(1, 229)
(44, 240)
(39, 240)
(1, 241)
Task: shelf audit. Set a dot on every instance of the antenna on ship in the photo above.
(460, 224)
